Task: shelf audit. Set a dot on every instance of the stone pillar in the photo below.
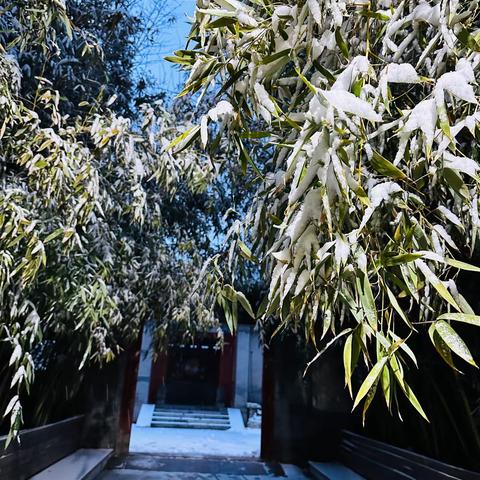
(242, 357)
(255, 369)
(144, 372)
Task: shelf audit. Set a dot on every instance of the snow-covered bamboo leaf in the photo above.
(454, 341)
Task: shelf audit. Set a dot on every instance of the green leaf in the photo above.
(367, 300)
(461, 317)
(454, 341)
(441, 347)
(362, 196)
(455, 181)
(386, 168)
(245, 304)
(400, 259)
(398, 374)
(184, 136)
(271, 58)
(179, 60)
(306, 82)
(467, 40)
(386, 386)
(351, 353)
(326, 347)
(375, 15)
(221, 22)
(342, 44)
(370, 396)
(436, 283)
(245, 251)
(53, 235)
(397, 307)
(229, 293)
(370, 380)
(462, 265)
(246, 158)
(257, 134)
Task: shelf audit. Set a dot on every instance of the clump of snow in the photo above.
(382, 192)
(315, 11)
(456, 83)
(445, 235)
(347, 102)
(462, 164)
(358, 65)
(424, 117)
(342, 250)
(449, 215)
(245, 19)
(221, 110)
(308, 211)
(397, 73)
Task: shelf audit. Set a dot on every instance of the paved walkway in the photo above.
(152, 467)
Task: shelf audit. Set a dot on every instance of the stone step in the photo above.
(190, 415)
(223, 411)
(191, 412)
(191, 420)
(332, 471)
(175, 416)
(201, 425)
(203, 408)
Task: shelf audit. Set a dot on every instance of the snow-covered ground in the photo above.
(237, 441)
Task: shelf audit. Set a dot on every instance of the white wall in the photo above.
(255, 376)
(144, 370)
(248, 367)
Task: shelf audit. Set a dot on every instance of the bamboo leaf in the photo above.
(370, 380)
(351, 353)
(398, 374)
(441, 347)
(462, 265)
(461, 317)
(397, 307)
(245, 303)
(385, 167)
(342, 44)
(454, 341)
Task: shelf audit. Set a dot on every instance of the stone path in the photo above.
(151, 467)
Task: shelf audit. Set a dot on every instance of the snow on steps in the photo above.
(190, 417)
(332, 471)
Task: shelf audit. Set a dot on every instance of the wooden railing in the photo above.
(39, 448)
(377, 460)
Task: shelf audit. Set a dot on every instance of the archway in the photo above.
(197, 399)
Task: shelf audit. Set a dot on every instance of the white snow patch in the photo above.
(196, 442)
(382, 192)
(462, 164)
(221, 110)
(457, 85)
(349, 103)
(342, 250)
(449, 215)
(423, 117)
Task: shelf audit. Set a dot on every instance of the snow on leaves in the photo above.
(372, 116)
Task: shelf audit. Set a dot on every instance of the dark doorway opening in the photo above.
(193, 374)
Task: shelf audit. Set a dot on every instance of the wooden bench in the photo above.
(51, 452)
(362, 457)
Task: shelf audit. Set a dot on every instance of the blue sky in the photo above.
(172, 37)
